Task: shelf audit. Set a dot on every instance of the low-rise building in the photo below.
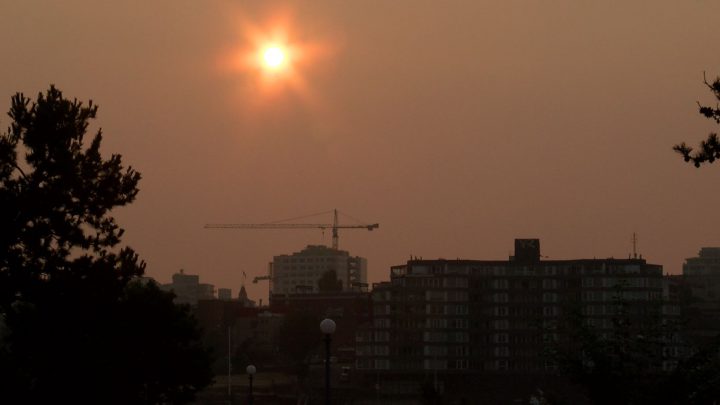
(188, 289)
(348, 309)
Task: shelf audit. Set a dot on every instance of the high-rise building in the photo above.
(300, 272)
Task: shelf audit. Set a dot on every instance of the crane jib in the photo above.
(335, 226)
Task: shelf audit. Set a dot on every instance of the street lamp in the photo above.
(250, 372)
(327, 326)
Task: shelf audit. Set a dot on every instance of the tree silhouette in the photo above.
(629, 359)
(72, 320)
(709, 149)
(56, 201)
(167, 358)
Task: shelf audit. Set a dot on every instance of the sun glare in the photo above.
(273, 57)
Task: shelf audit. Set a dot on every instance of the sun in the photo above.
(273, 57)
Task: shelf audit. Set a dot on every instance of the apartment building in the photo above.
(461, 316)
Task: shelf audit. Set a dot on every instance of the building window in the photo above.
(458, 323)
(457, 295)
(458, 337)
(461, 364)
(500, 324)
(436, 323)
(500, 311)
(502, 351)
(382, 323)
(500, 297)
(434, 295)
(435, 309)
(435, 350)
(550, 311)
(456, 282)
(500, 338)
(434, 336)
(549, 297)
(381, 350)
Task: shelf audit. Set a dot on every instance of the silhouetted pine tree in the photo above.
(709, 149)
(75, 329)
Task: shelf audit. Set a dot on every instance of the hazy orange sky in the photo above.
(457, 125)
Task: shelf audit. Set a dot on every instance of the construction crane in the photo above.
(261, 278)
(334, 226)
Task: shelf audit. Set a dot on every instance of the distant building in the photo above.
(221, 321)
(707, 263)
(348, 309)
(266, 330)
(243, 298)
(206, 291)
(188, 290)
(224, 294)
(299, 272)
(701, 280)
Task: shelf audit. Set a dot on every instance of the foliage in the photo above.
(696, 380)
(56, 201)
(142, 349)
(170, 362)
(629, 358)
(329, 282)
(430, 395)
(78, 330)
(709, 149)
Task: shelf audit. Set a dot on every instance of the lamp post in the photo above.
(229, 359)
(327, 326)
(250, 372)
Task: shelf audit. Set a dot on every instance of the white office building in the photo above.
(300, 272)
